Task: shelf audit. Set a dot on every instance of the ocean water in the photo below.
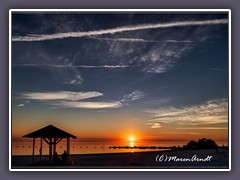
(25, 148)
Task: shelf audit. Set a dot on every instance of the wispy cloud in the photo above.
(70, 76)
(20, 105)
(217, 69)
(123, 39)
(69, 99)
(61, 95)
(138, 40)
(160, 59)
(154, 125)
(44, 37)
(87, 105)
(211, 112)
(67, 72)
(157, 102)
(156, 58)
(23, 103)
(206, 128)
(43, 58)
(177, 132)
(135, 95)
(177, 41)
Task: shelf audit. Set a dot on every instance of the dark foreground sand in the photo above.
(219, 160)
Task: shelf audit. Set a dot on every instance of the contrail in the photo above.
(45, 37)
(72, 66)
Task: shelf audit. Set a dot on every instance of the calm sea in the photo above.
(25, 148)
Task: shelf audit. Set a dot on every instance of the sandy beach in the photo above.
(159, 159)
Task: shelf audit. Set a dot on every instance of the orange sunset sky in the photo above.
(158, 77)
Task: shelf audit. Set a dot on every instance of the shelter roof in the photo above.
(49, 131)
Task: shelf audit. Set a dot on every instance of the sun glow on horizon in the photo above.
(131, 139)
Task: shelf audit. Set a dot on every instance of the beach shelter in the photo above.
(52, 136)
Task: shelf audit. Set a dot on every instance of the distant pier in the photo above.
(141, 147)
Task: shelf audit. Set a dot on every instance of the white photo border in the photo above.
(117, 10)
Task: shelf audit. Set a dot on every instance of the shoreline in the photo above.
(107, 153)
(136, 160)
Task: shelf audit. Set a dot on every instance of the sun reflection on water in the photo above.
(131, 144)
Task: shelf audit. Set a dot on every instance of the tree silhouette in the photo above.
(201, 144)
(191, 145)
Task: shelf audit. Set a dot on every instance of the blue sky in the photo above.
(155, 69)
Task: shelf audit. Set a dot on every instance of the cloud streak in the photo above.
(71, 66)
(138, 40)
(162, 58)
(206, 128)
(154, 125)
(20, 105)
(135, 95)
(211, 112)
(176, 132)
(61, 95)
(88, 105)
(45, 37)
(69, 99)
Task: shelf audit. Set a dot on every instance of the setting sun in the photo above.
(131, 139)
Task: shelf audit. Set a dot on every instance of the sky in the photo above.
(157, 76)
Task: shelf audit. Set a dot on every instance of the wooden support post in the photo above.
(50, 149)
(54, 146)
(68, 148)
(40, 150)
(33, 150)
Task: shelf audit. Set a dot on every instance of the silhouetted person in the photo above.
(64, 156)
